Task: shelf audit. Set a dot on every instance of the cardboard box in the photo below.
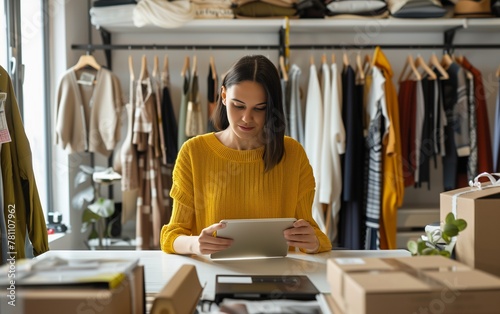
(478, 245)
(127, 298)
(424, 284)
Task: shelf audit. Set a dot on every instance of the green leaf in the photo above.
(421, 246)
(450, 218)
(445, 253)
(412, 247)
(446, 238)
(461, 224)
(89, 216)
(450, 230)
(428, 251)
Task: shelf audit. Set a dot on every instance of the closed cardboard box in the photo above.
(478, 245)
(126, 298)
(424, 284)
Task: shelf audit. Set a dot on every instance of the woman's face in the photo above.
(246, 106)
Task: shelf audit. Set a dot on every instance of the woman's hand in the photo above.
(302, 235)
(208, 243)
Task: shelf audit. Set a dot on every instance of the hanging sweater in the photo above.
(212, 182)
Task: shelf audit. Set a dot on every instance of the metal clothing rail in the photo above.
(93, 47)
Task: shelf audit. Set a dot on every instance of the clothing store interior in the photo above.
(106, 105)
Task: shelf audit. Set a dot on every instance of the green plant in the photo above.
(440, 241)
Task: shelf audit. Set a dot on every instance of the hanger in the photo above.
(345, 59)
(156, 66)
(498, 72)
(195, 65)
(283, 68)
(185, 67)
(212, 68)
(414, 71)
(311, 60)
(144, 68)
(323, 58)
(86, 60)
(419, 62)
(446, 61)
(165, 64)
(435, 62)
(131, 68)
(333, 58)
(359, 67)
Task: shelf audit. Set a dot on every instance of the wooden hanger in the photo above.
(283, 68)
(498, 72)
(212, 68)
(446, 61)
(345, 59)
(435, 63)
(185, 68)
(360, 73)
(195, 65)
(144, 68)
(165, 64)
(85, 61)
(311, 60)
(131, 68)
(420, 62)
(156, 66)
(367, 65)
(323, 58)
(413, 70)
(333, 58)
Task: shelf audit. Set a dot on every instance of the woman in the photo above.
(248, 169)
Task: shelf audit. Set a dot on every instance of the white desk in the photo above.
(160, 267)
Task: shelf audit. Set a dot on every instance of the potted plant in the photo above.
(440, 241)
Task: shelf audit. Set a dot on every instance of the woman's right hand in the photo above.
(208, 243)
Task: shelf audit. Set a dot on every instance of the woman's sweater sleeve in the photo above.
(182, 193)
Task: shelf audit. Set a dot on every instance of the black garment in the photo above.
(212, 98)
(427, 141)
(169, 126)
(450, 160)
(352, 216)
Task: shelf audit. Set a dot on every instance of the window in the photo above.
(31, 95)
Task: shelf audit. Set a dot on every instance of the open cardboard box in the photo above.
(424, 284)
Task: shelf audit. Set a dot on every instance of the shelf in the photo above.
(312, 25)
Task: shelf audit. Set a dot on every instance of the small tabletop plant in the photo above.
(440, 241)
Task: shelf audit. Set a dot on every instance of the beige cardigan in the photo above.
(88, 116)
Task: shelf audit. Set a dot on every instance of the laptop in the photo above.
(254, 238)
(264, 287)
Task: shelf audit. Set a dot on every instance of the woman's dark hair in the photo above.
(259, 69)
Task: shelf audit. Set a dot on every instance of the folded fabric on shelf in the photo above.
(166, 14)
(117, 15)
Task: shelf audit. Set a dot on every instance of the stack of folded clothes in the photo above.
(162, 13)
(417, 9)
(112, 13)
(311, 9)
(473, 8)
(213, 9)
(357, 9)
(264, 9)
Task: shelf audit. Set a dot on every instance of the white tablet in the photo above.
(255, 237)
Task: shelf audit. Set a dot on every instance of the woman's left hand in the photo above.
(302, 235)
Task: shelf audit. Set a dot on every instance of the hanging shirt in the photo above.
(313, 136)
(194, 115)
(407, 99)
(472, 162)
(333, 146)
(181, 134)
(169, 120)
(295, 120)
(419, 123)
(376, 130)
(393, 187)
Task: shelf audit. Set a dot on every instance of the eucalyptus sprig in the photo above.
(440, 241)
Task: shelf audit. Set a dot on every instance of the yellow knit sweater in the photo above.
(212, 182)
